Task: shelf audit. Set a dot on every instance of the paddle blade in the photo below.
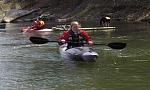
(117, 45)
(38, 40)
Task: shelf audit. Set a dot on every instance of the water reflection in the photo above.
(27, 66)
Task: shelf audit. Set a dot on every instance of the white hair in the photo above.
(74, 22)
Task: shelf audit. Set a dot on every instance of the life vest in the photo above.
(75, 39)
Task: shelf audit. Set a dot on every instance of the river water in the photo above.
(27, 66)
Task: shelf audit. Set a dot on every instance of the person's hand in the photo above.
(63, 40)
(90, 42)
(32, 29)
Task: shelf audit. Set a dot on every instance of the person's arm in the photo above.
(34, 25)
(63, 38)
(87, 37)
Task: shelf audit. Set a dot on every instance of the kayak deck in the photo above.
(33, 31)
(78, 53)
(37, 33)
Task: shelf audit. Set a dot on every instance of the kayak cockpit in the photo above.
(78, 53)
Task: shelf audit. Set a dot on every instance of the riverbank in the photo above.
(130, 11)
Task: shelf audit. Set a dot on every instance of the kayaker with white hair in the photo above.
(75, 37)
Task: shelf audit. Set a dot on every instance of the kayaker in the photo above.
(38, 24)
(105, 21)
(75, 37)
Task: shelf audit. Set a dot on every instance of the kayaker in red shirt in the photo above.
(75, 37)
(38, 24)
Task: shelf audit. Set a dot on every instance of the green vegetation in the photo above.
(1, 13)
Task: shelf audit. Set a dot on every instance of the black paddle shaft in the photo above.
(114, 45)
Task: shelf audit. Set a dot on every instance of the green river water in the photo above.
(26, 66)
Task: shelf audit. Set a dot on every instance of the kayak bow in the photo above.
(78, 53)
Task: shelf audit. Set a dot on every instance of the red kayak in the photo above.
(29, 30)
(32, 32)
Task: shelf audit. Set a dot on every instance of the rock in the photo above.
(47, 16)
(14, 14)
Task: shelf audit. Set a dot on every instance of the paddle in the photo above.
(39, 40)
(114, 45)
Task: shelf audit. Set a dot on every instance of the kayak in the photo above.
(78, 53)
(62, 28)
(30, 32)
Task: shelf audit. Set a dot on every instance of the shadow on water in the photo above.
(27, 66)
